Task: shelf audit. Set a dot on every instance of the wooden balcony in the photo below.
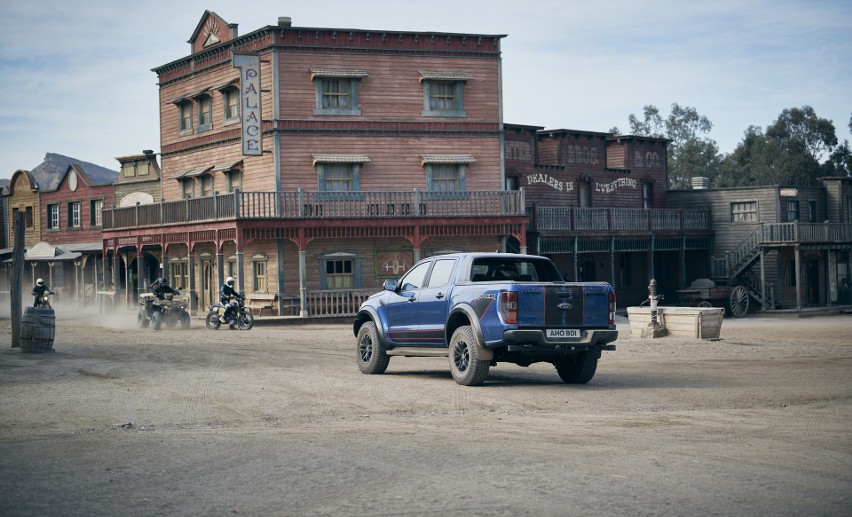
(565, 219)
(301, 205)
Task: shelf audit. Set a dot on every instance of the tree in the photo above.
(789, 152)
(691, 152)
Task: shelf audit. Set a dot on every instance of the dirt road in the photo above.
(278, 420)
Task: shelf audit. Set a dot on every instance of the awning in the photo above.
(340, 158)
(336, 72)
(190, 173)
(445, 76)
(225, 167)
(188, 96)
(447, 158)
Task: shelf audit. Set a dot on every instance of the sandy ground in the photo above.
(278, 420)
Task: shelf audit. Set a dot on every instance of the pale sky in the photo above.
(77, 79)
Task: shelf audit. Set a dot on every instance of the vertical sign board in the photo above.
(250, 116)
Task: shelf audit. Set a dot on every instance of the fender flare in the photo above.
(367, 314)
(482, 353)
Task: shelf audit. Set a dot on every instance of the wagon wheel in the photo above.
(704, 304)
(739, 301)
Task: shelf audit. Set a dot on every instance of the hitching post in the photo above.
(654, 329)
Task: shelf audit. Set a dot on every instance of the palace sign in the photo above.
(252, 137)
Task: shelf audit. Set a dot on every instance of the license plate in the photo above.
(562, 333)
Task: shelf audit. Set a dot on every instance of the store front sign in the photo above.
(252, 137)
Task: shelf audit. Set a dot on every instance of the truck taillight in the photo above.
(509, 306)
(611, 308)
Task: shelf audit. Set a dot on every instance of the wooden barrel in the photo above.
(38, 329)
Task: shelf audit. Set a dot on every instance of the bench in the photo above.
(260, 301)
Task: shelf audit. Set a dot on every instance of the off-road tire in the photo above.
(185, 320)
(157, 320)
(142, 320)
(245, 321)
(212, 320)
(370, 351)
(466, 368)
(578, 368)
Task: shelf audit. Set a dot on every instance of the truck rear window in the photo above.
(491, 269)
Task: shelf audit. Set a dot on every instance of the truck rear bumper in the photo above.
(522, 339)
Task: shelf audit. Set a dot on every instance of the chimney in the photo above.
(700, 183)
(284, 21)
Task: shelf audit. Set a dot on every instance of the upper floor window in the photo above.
(187, 187)
(96, 212)
(744, 212)
(206, 184)
(205, 112)
(231, 99)
(339, 172)
(235, 180)
(74, 214)
(443, 93)
(128, 169)
(792, 211)
(337, 91)
(52, 217)
(446, 172)
(185, 109)
(812, 208)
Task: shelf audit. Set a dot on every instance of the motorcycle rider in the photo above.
(38, 292)
(226, 294)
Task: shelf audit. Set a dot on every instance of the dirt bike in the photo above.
(158, 312)
(43, 301)
(238, 316)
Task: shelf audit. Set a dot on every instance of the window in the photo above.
(206, 185)
(647, 195)
(339, 172)
(52, 217)
(96, 207)
(180, 273)
(185, 117)
(792, 212)
(258, 266)
(231, 268)
(744, 212)
(812, 208)
(231, 99)
(235, 181)
(415, 278)
(29, 217)
(187, 188)
(58, 277)
(338, 274)
(74, 214)
(128, 169)
(340, 270)
(337, 91)
(205, 112)
(444, 178)
(443, 93)
(441, 273)
(143, 168)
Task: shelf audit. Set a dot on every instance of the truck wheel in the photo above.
(371, 353)
(157, 320)
(466, 368)
(578, 368)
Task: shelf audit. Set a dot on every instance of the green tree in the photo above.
(788, 152)
(691, 152)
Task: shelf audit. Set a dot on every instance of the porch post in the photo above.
(140, 269)
(280, 261)
(612, 259)
(798, 280)
(193, 305)
(303, 313)
(762, 279)
(576, 260)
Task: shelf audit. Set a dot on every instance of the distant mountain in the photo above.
(49, 173)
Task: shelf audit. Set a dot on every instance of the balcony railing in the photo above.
(620, 219)
(317, 205)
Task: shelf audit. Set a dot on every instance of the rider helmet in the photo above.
(160, 280)
(39, 282)
(230, 281)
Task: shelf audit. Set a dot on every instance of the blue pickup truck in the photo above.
(479, 309)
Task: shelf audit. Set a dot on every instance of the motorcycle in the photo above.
(156, 312)
(43, 301)
(239, 316)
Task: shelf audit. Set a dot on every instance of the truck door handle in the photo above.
(439, 295)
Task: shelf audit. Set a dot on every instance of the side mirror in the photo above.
(390, 285)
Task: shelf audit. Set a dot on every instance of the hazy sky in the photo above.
(77, 79)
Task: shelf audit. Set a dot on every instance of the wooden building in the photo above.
(312, 163)
(787, 247)
(597, 207)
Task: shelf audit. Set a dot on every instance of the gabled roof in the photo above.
(50, 173)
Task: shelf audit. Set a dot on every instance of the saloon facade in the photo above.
(310, 164)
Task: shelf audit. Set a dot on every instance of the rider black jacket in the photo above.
(226, 292)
